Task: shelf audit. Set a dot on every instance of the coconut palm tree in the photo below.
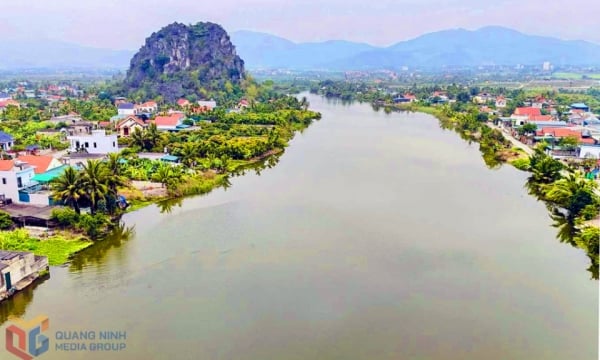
(568, 197)
(152, 135)
(189, 153)
(544, 171)
(95, 179)
(164, 174)
(138, 138)
(68, 188)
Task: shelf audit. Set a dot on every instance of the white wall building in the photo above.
(18, 269)
(126, 109)
(95, 142)
(589, 151)
(14, 176)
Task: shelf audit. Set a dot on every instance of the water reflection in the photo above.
(166, 206)
(18, 303)
(96, 253)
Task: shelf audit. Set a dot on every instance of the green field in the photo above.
(574, 76)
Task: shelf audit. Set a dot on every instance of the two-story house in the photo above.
(127, 126)
(126, 109)
(15, 175)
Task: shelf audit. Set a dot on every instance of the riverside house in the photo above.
(18, 270)
(15, 175)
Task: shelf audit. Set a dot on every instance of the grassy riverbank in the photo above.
(58, 247)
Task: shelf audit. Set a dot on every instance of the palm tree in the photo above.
(152, 134)
(115, 178)
(138, 138)
(164, 174)
(544, 171)
(68, 188)
(568, 197)
(95, 179)
(189, 153)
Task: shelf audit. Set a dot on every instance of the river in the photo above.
(376, 236)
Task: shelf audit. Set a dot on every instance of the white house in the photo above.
(15, 175)
(6, 141)
(94, 142)
(150, 107)
(126, 109)
(500, 102)
(207, 105)
(18, 269)
(589, 151)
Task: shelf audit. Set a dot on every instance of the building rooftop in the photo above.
(4, 137)
(126, 106)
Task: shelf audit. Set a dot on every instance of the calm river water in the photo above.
(375, 237)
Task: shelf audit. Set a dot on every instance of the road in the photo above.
(515, 142)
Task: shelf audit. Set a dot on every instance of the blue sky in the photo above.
(124, 24)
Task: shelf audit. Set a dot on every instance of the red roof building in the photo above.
(527, 111)
(541, 118)
(169, 122)
(565, 132)
(183, 102)
(41, 163)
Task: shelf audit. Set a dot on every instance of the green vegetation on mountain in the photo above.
(191, 61)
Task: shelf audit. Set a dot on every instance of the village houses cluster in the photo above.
(25, 176)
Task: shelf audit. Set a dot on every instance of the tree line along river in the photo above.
(376, 236)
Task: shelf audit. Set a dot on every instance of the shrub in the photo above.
(521, 164)
(93, 225)
(65, 216)
(5, 220)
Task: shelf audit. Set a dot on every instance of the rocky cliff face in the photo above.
(181, 60)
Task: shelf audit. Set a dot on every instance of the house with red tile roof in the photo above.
(243, 103)
(534, 118)
(10, 102)
(127, 126)
(183, 102)
(500, 102)
(410, 97)
(40, 163)
(527, 111)
(169, 122)
(150, 107)
(559, 133)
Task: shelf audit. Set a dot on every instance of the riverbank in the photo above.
(59, 246)
(196, 184)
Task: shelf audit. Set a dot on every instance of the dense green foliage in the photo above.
(192, 61)
(58, 248)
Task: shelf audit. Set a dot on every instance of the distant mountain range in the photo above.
(59, 55)
(458, 47)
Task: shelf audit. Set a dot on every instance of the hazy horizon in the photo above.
(125, 24)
